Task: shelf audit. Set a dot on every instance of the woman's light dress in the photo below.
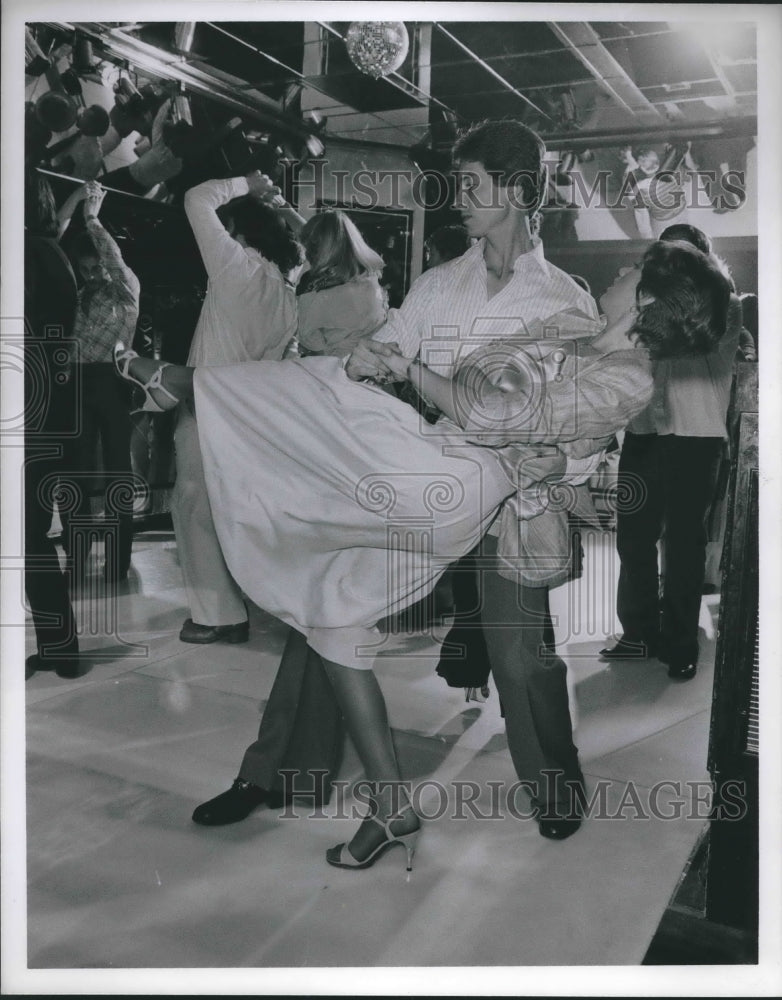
(335, 503)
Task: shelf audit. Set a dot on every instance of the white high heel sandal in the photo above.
(340, 856)
(122, 359)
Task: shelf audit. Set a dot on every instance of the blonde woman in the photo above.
(340, 299)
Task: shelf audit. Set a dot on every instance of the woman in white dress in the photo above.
(335, 507)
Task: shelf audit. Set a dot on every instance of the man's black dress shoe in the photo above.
(559, 827)
(560, 820)
(629, 649)
(682, 671)
(69, 668)
(201, 634)
(234, 805)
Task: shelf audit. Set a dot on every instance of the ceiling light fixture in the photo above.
(377, 48)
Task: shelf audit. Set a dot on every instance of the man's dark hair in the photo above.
(509, 152)
(687, 234)
(690, 293)
(449, 242)
(264, 229)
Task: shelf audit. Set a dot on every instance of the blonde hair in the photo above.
(336, 250)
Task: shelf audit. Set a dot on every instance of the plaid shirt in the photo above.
(109, 313)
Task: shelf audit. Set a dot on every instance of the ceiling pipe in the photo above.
(728, 128)
(606, 138)
(76, 182)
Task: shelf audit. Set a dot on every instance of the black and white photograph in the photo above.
(390, 514)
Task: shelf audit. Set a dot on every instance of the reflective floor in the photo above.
(118, 877)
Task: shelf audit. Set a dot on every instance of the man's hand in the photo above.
(397, 363)
(369, 358)
(626, 156)
(264, 189)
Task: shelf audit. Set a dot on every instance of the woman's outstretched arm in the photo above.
(595, 397)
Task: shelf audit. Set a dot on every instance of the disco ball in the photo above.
(377, 47)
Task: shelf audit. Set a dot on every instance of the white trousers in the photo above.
(213, 595)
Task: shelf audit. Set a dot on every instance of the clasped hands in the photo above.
(92, 194)
(372, 359)
(263, 188)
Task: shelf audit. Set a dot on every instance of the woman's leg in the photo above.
(364, 709)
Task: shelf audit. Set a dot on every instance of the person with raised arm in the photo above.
(251, 256)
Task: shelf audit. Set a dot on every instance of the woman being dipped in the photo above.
(337, 508)
(329, 556)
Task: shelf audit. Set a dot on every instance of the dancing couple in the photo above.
(336, 505)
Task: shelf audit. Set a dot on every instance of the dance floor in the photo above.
(118, 877)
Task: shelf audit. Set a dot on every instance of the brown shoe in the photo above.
(202, 634)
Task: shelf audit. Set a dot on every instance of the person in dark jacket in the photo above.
(49, 411)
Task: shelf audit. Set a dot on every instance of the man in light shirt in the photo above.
(249, 314)
(502, 286)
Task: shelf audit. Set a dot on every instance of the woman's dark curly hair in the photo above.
(264, 229)
(690, 294)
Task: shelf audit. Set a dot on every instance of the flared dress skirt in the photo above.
(336, 504)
